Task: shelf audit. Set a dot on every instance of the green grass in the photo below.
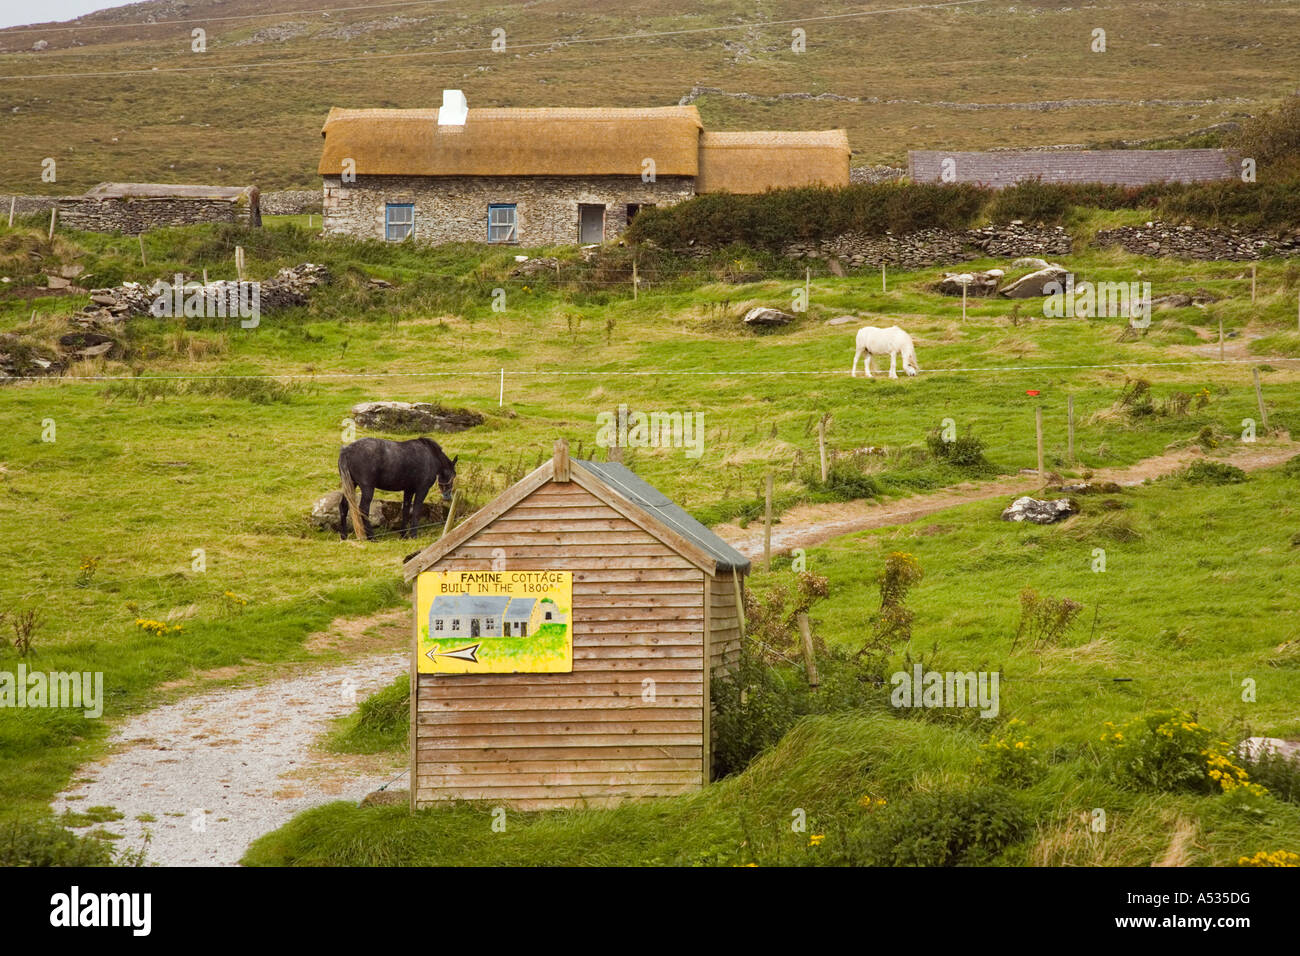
(183, 458)
(379, 725)
(1178, 627)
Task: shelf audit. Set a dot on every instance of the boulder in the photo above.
(385, 513)
(531, 267)
(414, 417)
(763, 317)
(1039, 512)
(975, 283)
(1032, 285)
(1254, 747)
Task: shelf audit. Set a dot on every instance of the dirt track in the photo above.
(806, 526)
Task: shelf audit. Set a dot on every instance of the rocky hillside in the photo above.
(122, 94)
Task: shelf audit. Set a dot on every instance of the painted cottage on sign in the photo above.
(623, 710)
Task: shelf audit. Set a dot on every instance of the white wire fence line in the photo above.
(496, 373)
(510, 46)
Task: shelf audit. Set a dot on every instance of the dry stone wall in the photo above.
(131, 216)
(927, 247)
(455, 208)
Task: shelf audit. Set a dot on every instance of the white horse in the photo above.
(873, 341)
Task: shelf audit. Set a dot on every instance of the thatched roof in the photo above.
(753, 162)
(169, 191)
(513, 142)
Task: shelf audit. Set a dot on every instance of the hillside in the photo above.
(119, 95)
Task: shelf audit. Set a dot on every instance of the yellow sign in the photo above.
(495, 622)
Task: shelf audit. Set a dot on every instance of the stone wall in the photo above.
(131, 216)
(1190, 242)
(455, 208)
(25, 205)
(927, 247)
(291, 202)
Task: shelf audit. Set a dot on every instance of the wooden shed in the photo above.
(653, 614)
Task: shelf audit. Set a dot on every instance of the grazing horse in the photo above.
(873, 341)
(410, 467)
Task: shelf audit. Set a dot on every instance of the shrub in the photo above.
(1171, 751)
(44, 844)
(892, 625)
(1272, 137)
(1213, 473)
(757, 703)
(1292, 467)
(1031, 200)
(772, 612)
(1044, 619)
(964, 451)
(947, 827)
(777, 217)
(846, 481)
(1009, 758)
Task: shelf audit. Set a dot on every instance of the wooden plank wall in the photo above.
(724, 624)
(541, 741)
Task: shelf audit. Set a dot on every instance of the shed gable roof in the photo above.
(620, 488)
(513, 142)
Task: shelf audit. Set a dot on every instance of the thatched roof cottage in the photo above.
(549, 176)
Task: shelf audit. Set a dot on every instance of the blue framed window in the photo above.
(503, 223)
(399, 221)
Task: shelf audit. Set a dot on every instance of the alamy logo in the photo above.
(74, 908)
(624, 429)
(950, 689)
(217, 300)
(1103, 300)
(75, 689)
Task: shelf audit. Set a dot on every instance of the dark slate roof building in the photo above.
(1118, 167)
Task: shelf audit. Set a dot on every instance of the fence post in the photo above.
(239, 262)
(13, 202)
(767, 525)
(1220, 338)
(451, 514)
(1038, 430)
(821, 444)
(809, 659)
(1069, 411)
(636, 281)
(1259, 397)
(1253, 267)
(54, 214)
(882, 276)
(501, 395)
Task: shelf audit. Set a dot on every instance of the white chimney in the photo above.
(455, 108)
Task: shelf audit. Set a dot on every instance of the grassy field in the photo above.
(177, 487)
(1177, 628)
(250, 108)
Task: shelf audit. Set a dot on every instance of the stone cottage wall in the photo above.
(455, 208)
(133, 216)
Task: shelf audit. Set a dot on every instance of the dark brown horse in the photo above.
(411, 467)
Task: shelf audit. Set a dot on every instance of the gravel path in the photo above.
(219, 769)
(806, 526)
